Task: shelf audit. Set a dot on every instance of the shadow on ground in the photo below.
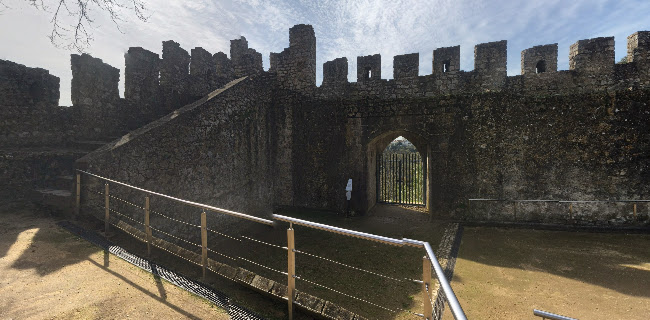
(615, 261)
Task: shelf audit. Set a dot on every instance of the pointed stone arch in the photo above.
(375, 148)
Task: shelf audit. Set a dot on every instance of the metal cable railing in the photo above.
(221, 254)
(430, 263)
(175, 220)
(261, 265)
(125, 216)
(191, 203)
(175, 237)
(114, 215)
(265, 243)
(125, 201)
(126, 231)
(345, 294)
(223, 235)
(355, 268)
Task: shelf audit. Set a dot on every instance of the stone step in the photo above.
(88, 145)
(64, 182)
(57, 201)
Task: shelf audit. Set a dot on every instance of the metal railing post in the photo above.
(291, 269)
(147, 224)
(204, 242)
(426, 288)
(77, 204)
(106, 209)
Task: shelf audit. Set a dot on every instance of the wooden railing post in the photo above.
(570, 210)
(426, 287)
(634, 211)
(147, 228)
(291, 272)
(204, 242)
(77, 204)
(106, 209)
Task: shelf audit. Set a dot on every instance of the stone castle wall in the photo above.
(576, 134)
(221, 156)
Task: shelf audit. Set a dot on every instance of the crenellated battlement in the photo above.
(592, 67)
(157, 84)
(584, 130)
(406, 65)
(539, 59)
(295, 67)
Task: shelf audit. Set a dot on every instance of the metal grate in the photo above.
(400, 178)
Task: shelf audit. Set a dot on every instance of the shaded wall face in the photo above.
(29, 107)
(216, 154)
(320, 150)
(493, 145)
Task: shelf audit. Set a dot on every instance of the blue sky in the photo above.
(344, 28)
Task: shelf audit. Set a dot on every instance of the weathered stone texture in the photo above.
(223, 65)
(446, 60)
(29, 111)
(274, 137)
(141, 75)
(335, 71)
(94, 83)
(296, 66)
(490, 61)
(369, 68)
(539, 59)
(221, 156)
(592, 56)
(174, 76)
(245, 61)
(95, 97)
(203, 73)
(406, 65)
(27, 87)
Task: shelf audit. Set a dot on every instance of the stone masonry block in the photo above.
(333, 311)
(592, 56)
(369, 68)
(446, 60)
(539, 59)
(335, 71)
(406, 65)
(310, 302)
(638, 47)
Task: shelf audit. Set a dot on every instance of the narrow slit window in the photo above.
(368, 72)
(540, 67)
(445, 66)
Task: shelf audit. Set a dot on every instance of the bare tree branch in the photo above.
(72, 23)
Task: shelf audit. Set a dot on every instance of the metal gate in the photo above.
(400, 178)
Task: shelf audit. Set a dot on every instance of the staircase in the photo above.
(53, 189)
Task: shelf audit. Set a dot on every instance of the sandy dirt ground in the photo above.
(48, 273)
(506, 273)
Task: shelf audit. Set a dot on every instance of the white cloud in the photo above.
(344, 28)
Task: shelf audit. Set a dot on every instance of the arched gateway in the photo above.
(398, 174)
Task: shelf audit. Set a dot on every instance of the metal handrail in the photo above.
(454, 305)
(191, 203)
(548, 315)
(352, 233)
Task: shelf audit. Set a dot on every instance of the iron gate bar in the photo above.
(401, 179)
